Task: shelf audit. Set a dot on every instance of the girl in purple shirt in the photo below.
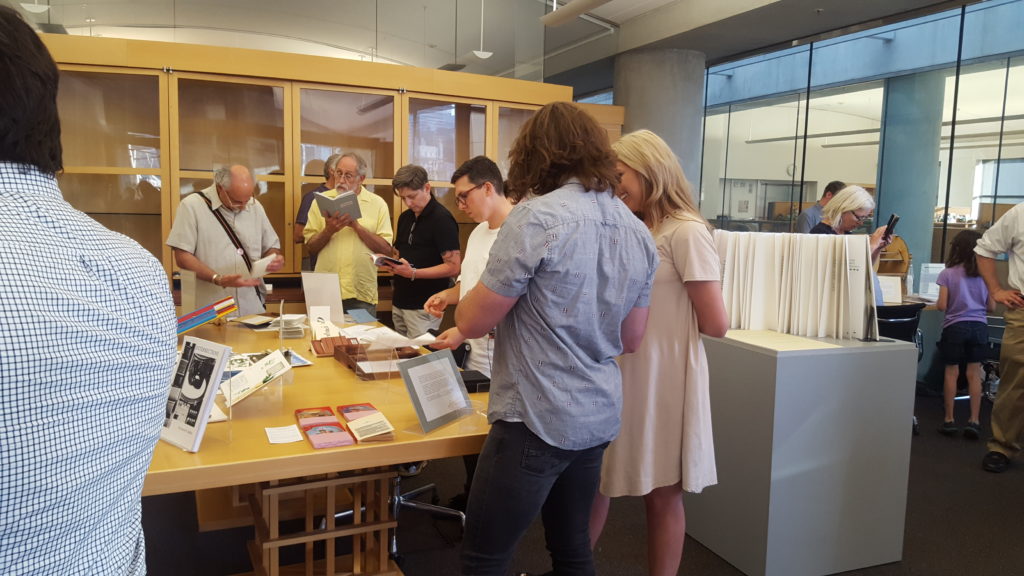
(965, 299)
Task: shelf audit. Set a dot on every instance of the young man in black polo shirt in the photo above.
(428, 245)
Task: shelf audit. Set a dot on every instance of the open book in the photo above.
(344, 203)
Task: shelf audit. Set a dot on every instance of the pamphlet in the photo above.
(322, 427)
(343, 203)
(256, 376)
(367, 423)
(192, 392)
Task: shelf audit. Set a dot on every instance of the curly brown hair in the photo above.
(560, 141)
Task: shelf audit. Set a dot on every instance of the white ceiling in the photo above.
(432, 33)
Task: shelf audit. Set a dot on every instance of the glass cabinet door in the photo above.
(224, 123)
(229, 121)
(510, 120)
(443, 135)
(334, 121)
(113, 150)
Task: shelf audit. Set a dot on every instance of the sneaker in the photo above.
(949, 429)
(995, 462)
(972, 431)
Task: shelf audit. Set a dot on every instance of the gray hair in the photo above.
(360, 163)
(848, 199)
(330, 164)
(222, 175)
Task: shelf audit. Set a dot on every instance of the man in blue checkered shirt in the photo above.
(87, 342)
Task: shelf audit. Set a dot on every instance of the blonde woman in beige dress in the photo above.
(665, 446)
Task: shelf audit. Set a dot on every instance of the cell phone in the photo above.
(891, 226)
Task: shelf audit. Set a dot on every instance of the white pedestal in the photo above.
(813, 450)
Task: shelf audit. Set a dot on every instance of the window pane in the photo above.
(510, 120)
(348, 122)
(129, 204)
(224, 123)
(443, 135)
(916, 58)
(712, 179)
(842, 140)
(110, 120)
(760, 181)
(972, 189)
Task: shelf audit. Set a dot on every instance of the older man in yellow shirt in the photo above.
(342, 244)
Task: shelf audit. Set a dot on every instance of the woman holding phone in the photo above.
(847, 210)
(665, 444)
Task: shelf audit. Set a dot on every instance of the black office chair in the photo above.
(900, 322)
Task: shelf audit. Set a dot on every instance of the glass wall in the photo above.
(937, 140)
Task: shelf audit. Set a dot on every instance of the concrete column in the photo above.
(909, 159)
(663, 91)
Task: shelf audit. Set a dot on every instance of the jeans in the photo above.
(350, 303)
(520, 475)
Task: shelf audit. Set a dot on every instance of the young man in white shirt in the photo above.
(479, 192)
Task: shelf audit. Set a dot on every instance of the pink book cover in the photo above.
(322, 428)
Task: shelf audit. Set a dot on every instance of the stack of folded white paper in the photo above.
(290, 325)
(812, 285)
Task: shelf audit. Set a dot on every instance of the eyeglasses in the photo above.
(462, 197)
(232, 203)
(860, 218)
(346, 176)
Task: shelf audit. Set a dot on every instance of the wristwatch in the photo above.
(214, 279)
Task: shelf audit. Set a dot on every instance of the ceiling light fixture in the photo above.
(481, 53)
(35, 7)
(570, 11)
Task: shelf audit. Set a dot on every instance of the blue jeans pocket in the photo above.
(540, 458)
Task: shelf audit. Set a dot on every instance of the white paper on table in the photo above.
(259, 267)
(437, 389)
(892, 289)
(320, 322)
(255, 320)
(284, 434)
(375, 366)
(369, 426)
(323, 289)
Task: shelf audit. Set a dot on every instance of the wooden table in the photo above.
(237, 452)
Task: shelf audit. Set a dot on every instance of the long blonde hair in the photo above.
(667, 192)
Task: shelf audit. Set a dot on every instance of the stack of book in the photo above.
(207, 314)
